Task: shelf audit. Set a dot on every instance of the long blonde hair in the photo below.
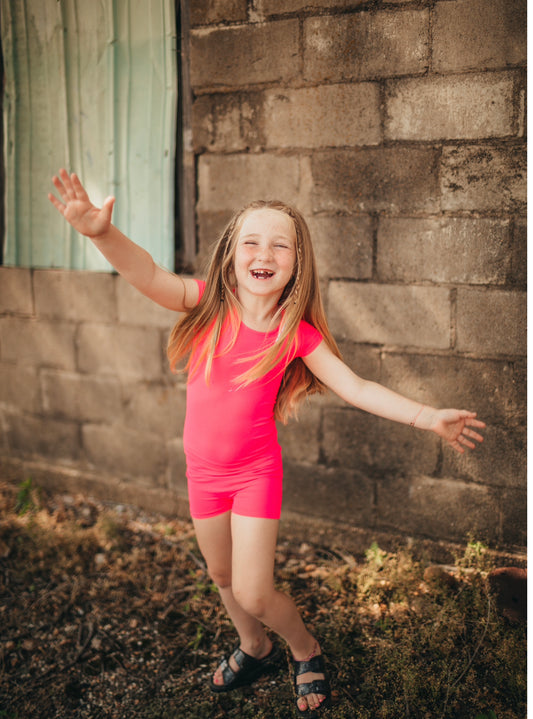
(200, 329)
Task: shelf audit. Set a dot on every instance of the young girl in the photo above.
(256, 342)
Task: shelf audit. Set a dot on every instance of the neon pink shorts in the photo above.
(252, 492)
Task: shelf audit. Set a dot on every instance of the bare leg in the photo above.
(240, 552)
(254, 547)
(214, 540)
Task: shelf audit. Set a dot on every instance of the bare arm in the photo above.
(129, 259)
(455, 426)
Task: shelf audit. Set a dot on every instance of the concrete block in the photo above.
(363, 360)
(125, 452)
(177, 467)
(457, 107)
(205, 12)
(491, 322)
(518, 269)
(275, 7)
(326, 116)
(353, 438)
(518, 397)
(210, 227)
(232, 181)
(157, 408)
(366, 45)
(83, 398)
(136, 309)
(16, 294)
(479, 34)
(75, 295)
(29, 435)
(488, 464)
(385, 179)
(128, 352)
(41, 343)
(444, 249)
(217, 124)
(343, 245)
(244, 55)
(492, 389)
(484, 178)
(445, 508)
(390, 314)
(300, 438)
(19, 387)
(330, 493)
(514, 506)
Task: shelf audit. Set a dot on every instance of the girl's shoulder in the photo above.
(308, 338)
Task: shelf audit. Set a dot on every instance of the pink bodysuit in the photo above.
(230, 436)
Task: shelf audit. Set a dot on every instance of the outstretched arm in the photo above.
(453, 425)
(131, 261)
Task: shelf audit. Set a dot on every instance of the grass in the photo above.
(106, 613)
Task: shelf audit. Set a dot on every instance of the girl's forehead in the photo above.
(266, 219)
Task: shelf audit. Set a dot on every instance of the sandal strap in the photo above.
(317, 686)
(245, 663)
(316, 665)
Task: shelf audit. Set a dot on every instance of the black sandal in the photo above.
(317, 686)
(249, 670)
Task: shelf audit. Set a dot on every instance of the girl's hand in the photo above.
(77, 209)
(454, 425)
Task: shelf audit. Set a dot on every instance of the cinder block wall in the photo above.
(87, 402)
(398, 128)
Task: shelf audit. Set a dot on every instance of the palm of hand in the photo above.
(77, 208)
(456, 427)
(85, 217)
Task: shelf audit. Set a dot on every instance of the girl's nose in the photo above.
(265, 252)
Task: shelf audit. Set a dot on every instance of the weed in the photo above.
(27, 498)
(434, 650)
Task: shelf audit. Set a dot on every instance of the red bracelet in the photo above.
(412, 424)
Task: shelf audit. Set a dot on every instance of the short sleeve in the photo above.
(308, 339)
(201, 288)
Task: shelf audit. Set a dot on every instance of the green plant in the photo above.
(26, 496)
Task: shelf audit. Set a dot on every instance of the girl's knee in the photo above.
(254, 601)
(220, 576)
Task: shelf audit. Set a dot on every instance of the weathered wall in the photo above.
(398, 129)
(86, 397)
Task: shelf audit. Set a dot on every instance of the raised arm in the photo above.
(453, 425)
(131, 261)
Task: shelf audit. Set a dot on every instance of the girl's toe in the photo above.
(302, 704)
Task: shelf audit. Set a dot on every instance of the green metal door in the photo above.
(91, 86)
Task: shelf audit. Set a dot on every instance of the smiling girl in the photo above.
(256, 342)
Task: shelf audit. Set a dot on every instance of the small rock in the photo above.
(437, 574)
(509, 584)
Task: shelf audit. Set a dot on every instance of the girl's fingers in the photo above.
(53, 199)
(464, 441)
(59, 187)
(78, 188)
(473, 435)
(69, 192)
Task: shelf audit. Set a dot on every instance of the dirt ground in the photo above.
(109, 613)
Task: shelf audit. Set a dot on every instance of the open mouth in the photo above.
(262, 274)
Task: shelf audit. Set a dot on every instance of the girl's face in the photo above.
(265, 253)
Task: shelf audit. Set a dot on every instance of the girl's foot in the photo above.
(241, 668)
(311, 683)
